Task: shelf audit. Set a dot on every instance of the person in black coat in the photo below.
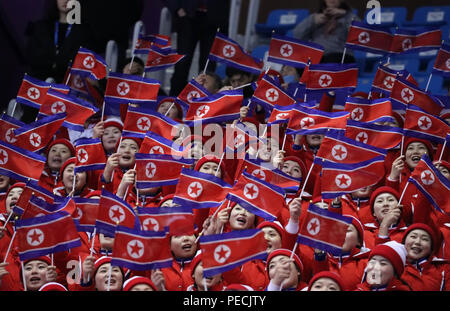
(195, 21)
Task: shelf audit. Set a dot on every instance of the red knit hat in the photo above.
(380, 190)
(176, 104)
(443, 163)
(392, 251)
(95, 193)
(285, 252)
(167, 197)
(52, 287)
(113, 122)
(136, 280)
(69, 161)
(62, 141)
(210, 158)
(136, 139)
(275, 225)
(327, 274)
(425, 227)
(409, 140)
(359, 227)
(299, 162)
(15, 185)
(45, 259)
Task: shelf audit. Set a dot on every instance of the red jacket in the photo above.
(427, 275)
(48, 180)
(252, 273)
(12, 281)
(371, 237)
(350, 267)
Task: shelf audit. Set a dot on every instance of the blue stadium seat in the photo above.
(429, 15)
(409, 62)
(280, 21)
(367, 63)
(391, 16)
(446, 33)
(220, 70)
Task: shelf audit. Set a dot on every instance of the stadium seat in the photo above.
(409, 62)
(220, 70)
(429, 15)
(391, 16)
(281, 21)
(364, 84)
(367, 62)
(446, 33)
(260, 51)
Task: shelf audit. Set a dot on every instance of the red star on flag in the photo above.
(116, 213)
(194, 189)
(135, 249)
(3, 156)
(222, 253)
(250, 190)
(343, 180)
(34, 237)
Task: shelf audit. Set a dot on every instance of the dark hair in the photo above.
(230, 71)
(217, 79)
(343, 5)
(135, 60)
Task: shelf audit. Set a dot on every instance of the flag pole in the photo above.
(169, 109)
(9, 246)
(23, 277)
(7, 220)
(403, 193)
(442, 151)
(343, 55)
(220, 162)
(214, 215)
(242, 86)
(109, 278)
(306, 180)
(428, 83)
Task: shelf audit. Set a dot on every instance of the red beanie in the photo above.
(167, 197)
(443, 163)
(136, 280)
(394, 252)
(425, 227)
(95, 193)
(136, 139)
(380, 190)
(409, 140)
(210, 158)
(69, 161)
(176, 104)
(62, 141)
(275, 225)
(45, 259)
(299, 162)
(288, 253)
(113, 122)
(52, 287)
(327, 274)
(15, 185)
(359, 227)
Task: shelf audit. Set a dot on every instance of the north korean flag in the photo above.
(200, 190)
(305, 121)
(430, 181)
(268, 173)
(442, 63)
(33, 190)
(7, 126)
(179, 220)
(86, 213)
(324, 230)
(339, 179)
(416, 40)
(77, 110)
(238, 137)
(192, 90)
(421, 124)
(385, 78)
(90, 155)
(335, 147)
(38, 207)
(293, 52)
(221, 107)
(112, 212)
(32, 91)
(144, 43)
(369, 38)
(20, 164)
(227, 51)
(123, 89)
(223, 252)
(328, 77)
(404, 93)
(270, 93)
(366, 110)
(380, 136)
(161, 58)
(154, 170)
(45, 235)
(280, 114)
(89, 64)
(257, 196)
(141, 250)
(155, 144)
(36, 135)
(140, 120)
